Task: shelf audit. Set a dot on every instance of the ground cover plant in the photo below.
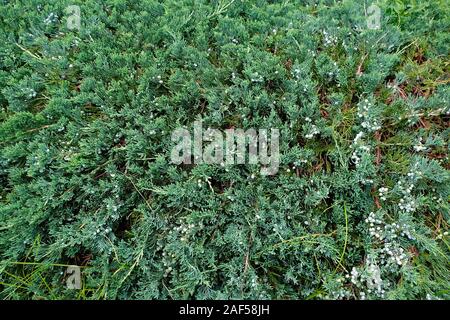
(359, 208)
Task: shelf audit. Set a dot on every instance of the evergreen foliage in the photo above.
(358, 210)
